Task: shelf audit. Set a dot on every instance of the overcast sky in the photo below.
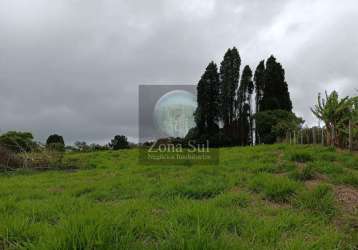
(73, 66)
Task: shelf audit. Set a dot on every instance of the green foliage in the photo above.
(207, 113)
(275, 188)
(301, 156)
(336, 113)
(275, 90)
(259, 80)
(303, 174)
(229, 79)
(55, 142)
(114, 203)
(319, 200)
(17, 141)
(9, 160)
(244, 107)
(119, 142)
(201, 187)
(272, 125)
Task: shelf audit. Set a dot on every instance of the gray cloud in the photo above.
(74, 66)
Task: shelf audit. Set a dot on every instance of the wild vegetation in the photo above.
(340, 117)
(227, 114)
(263, 197)
(279, 196)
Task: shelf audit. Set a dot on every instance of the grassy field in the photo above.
(264, 197)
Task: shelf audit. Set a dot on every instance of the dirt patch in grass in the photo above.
(311, 184)
(235, 189)
(347, 197)
(317, 180)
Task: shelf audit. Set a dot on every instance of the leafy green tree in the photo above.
(207, 112)
(55, 142)
(17, 141)
(229, 79)
(275, 91)
(119, 142)
(244, 96)
(335, 113)
(272, 125)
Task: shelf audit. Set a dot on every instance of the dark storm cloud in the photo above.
(74, 66)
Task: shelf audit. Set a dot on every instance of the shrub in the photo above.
(9, 160)
(272, 125)
(17, 141)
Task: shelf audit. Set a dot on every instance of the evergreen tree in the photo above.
(207, 113)
(244, 96)
(275, 94)
(229, 79)
(259, 80)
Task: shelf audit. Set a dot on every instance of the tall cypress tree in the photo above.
(244, 96)
(229, 79)
(275, 94)
(259, 80)
(207, 113)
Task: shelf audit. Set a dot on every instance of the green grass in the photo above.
(320, 200)
(256, 198)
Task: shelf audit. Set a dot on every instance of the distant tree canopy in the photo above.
(17, 141)
(225, 107)
(119, 142)
(82, 146)
(55, 142)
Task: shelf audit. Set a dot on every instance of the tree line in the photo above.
(19, 142)
(245, 108)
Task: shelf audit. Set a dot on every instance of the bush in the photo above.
(17, 141)
(9, 160)
(272, 125)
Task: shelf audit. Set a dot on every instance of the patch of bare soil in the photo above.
(235, 189)
(347, 197)
(311, 184)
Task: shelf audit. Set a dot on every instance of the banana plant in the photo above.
(335, 113)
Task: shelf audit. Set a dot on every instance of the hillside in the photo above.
(264, 197)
